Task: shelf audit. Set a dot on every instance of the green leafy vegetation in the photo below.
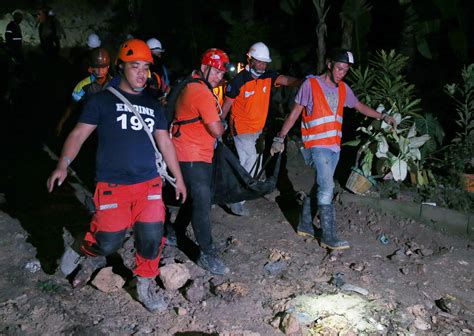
(461, 150)
(398, 149)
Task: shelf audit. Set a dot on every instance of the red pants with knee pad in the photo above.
(121, 207)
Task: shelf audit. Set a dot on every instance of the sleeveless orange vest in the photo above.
(323, 127)
(219, 92)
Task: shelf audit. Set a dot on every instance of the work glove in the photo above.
(389, 120)
(278, 145)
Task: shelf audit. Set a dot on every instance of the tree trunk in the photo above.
(354, 23)
(347, 29)
(408, 41)
(321, 32)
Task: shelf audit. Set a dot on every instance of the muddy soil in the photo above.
(417, 281)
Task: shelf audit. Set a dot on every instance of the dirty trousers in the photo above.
(120, 207)
(324, 164)
(247, 151)
(197, 208)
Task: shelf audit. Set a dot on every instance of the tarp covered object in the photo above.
(232, 183)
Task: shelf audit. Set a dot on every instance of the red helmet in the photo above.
(135, 50)
(215, 58)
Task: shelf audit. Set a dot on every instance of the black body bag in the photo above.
(232, 183)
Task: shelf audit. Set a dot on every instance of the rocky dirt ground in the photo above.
(416, 282)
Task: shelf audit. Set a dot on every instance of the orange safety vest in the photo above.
(155, 80)
(219, 92)
(323, 127)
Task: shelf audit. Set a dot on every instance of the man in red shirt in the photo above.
(196, 126)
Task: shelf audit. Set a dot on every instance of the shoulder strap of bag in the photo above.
(160, 163)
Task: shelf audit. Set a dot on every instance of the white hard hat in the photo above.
(93, 41)
(155, 45)
(260, 52)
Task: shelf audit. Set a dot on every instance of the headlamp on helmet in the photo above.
(231, 67)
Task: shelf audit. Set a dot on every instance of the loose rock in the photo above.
(195, 292)
(181, 311)
(421, 324)
(290, 325)
(174, 276)
(107, 281)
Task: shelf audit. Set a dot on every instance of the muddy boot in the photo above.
(327, 217)
(148, 295)
(211, 262)
(70, 260)
(88, 266)
(305, 224)
(342, 244)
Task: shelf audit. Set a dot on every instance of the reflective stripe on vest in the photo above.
(321, 121)
(323, 127)
(324, 135)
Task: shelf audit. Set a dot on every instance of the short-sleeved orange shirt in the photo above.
(194, 142)
(252, 99)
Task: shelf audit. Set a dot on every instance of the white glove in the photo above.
(278, 145)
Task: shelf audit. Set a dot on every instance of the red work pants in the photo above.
(119, 208)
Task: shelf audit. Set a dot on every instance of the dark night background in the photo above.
(186, 28)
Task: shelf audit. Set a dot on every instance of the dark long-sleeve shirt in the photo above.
(13, 35)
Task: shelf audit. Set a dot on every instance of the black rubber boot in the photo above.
(305, 223)
(327, 217)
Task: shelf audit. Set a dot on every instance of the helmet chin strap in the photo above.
(135, 89)
(206, 76)
(208, 73)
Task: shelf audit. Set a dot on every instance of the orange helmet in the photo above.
(215, 58)
(135, 50)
